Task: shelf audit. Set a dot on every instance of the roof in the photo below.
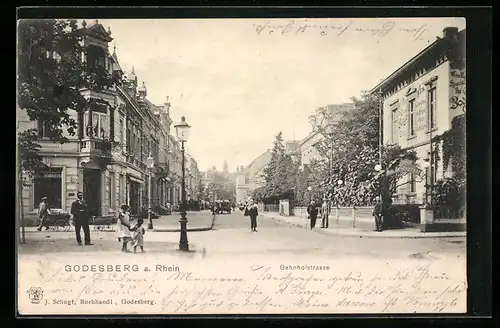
(115, 60)
(412, 62)
(264, 157)
(97, 30)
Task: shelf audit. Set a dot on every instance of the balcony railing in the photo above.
(99, 146)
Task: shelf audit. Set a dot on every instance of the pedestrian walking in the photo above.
(253, 212)
(138, 235)
(43, 214)
(312, 210)
(377, 214)
(325, 213)
(123, 227)
(80, 212)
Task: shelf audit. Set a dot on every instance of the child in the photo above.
(122, 227)
(138, 236)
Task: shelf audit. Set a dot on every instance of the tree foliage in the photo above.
(351, 179)
(30, 161)
(280, 173)
(51, 74)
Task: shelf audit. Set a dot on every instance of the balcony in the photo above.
(95, 147)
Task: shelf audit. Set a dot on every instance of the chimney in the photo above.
(450, 32)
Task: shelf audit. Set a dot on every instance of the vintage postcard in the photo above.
(241, 166)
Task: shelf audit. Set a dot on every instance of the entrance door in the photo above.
(92, 190)
(134, 197)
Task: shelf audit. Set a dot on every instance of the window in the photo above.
(96, 57)
(395, 126)
(48, 184)
(100, 125)
(43, 129)
(121, 131)
(431, 108)
(411, 118)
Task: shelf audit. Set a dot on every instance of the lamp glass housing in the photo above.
(182, 130)
(340, 182)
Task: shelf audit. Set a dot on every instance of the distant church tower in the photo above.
(241, 187)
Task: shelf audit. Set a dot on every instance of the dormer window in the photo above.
(96, 57)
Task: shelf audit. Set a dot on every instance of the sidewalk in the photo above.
(362, 232)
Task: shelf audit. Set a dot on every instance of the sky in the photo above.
(239, 82)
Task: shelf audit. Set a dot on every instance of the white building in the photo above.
(424, 98)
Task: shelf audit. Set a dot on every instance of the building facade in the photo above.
(324, 119)
(423, 99)
(108, 158)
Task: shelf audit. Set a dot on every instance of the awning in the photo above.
(132, 178)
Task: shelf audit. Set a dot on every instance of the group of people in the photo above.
(127, 230)
(313, 211)
(324, 211)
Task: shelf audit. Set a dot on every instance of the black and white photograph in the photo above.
(241, 166)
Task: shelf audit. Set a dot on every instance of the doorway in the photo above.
(92, 190)
(135, 197)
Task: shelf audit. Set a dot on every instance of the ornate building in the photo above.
(108, 158)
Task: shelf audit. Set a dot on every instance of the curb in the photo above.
(179, 230)
(366, 235)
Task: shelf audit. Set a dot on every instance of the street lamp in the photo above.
(310, 196)
(151, 164)
(378, 168)
(182, 131)
(426, 164)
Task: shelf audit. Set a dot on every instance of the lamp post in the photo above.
(426, 165)
(310, 194)
(182, 130)
(151, 164)
(378, 168)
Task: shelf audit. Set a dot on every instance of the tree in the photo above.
(51, 74)
(279, 174)
(352, 179)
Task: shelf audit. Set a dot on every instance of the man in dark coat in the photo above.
(253, 212)
(80, 212)
(377, 214)
(312, 210)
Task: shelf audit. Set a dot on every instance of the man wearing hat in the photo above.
(80, 213)
(312, 210)
(43, 213)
